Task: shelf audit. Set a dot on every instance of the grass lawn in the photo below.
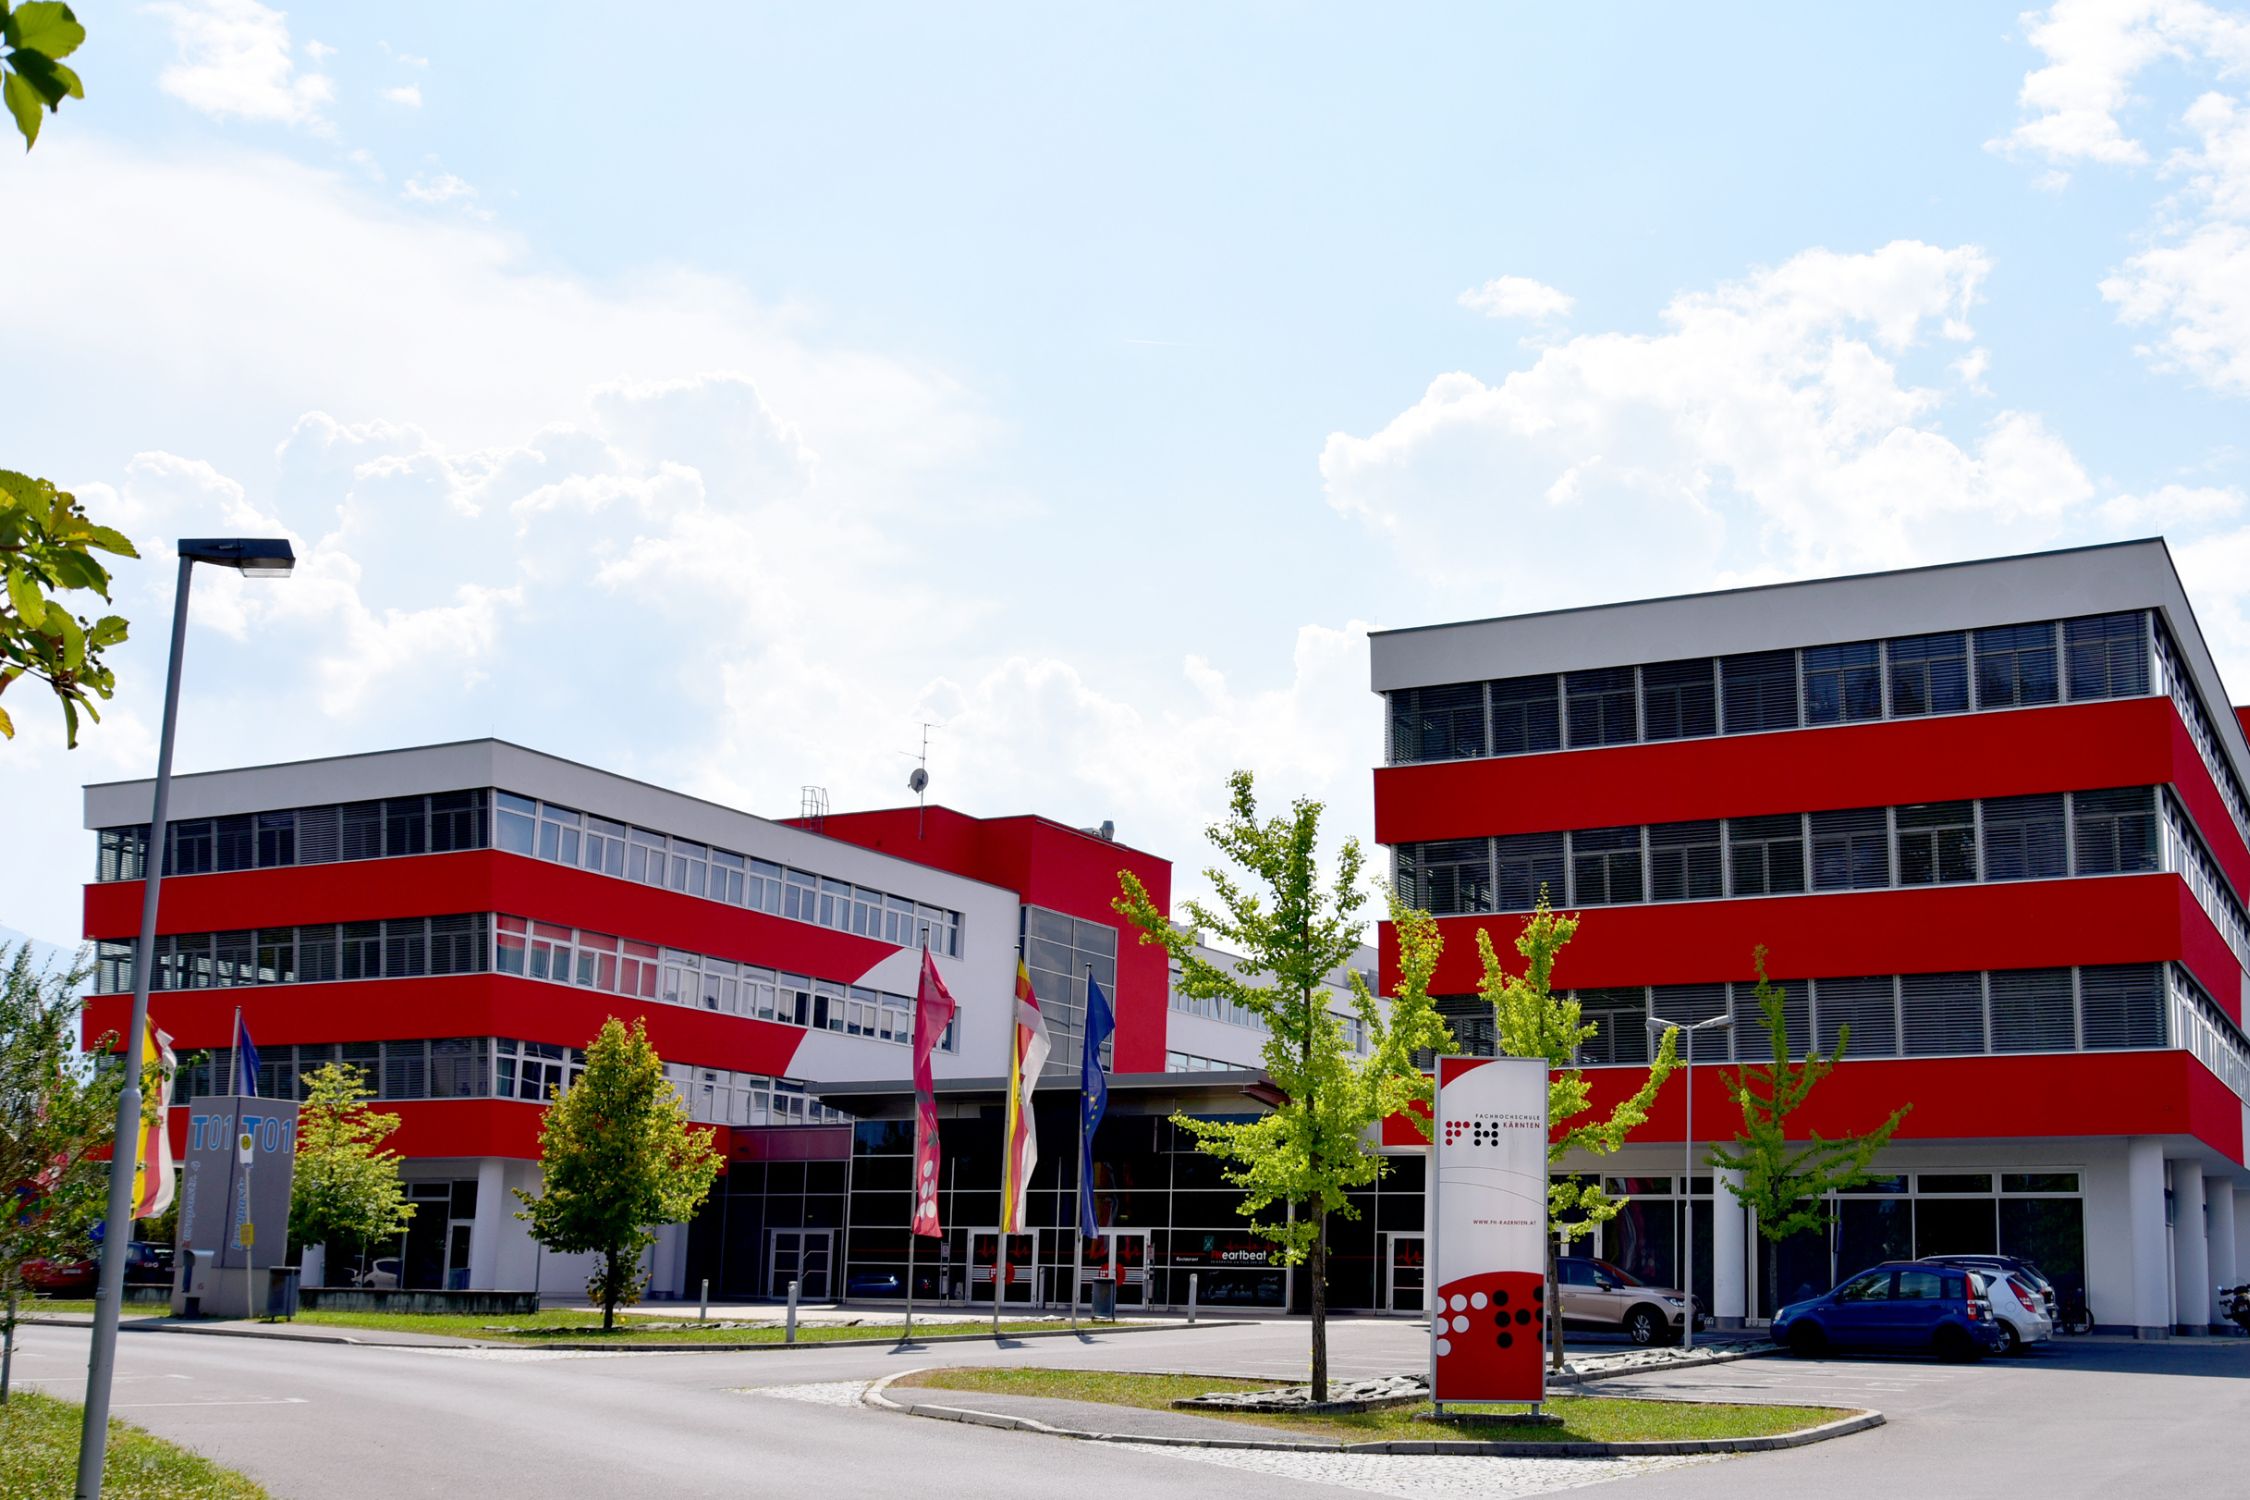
(85, 1306)
(577, 1323)
(39, 1456)
(1597, 1419)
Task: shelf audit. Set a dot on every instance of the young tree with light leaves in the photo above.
(1788, 1185)
(1531, 1020)
(1296, 1164)
(618, 1158)
(345, 1193)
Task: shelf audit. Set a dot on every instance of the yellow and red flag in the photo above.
(1026, 1059)
(152, 1164)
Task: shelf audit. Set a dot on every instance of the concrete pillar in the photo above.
(312, 1265)
(2150, 1304)
(2226, 1268)
(1730, 1302)
(2191, 1250)
(485, 1229)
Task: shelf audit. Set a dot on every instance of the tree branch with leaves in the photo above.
(47, 547)
(1296, 1164)
(1531, 1020)
(34, 39)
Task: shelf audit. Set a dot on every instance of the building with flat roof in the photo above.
(1990, 816)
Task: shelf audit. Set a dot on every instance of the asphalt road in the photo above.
(322, 1422)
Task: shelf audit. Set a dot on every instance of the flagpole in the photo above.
(913, 1198)
(1078, 1230)
(234, 1172)
(1007, 1151)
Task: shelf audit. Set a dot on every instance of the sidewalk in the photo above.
(253, 1328)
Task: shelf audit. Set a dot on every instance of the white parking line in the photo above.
(249, 1401)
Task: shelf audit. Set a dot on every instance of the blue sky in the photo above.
(716, 397)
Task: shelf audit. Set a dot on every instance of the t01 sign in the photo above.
(1488, 1183)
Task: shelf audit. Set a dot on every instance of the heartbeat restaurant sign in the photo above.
(1488, 1181)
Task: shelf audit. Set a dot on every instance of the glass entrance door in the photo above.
(1122, 1253)
(1022, 1264)
(802, 1256)
(1404, 1271)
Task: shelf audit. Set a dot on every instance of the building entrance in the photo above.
(803, 1256)
(1405, 1272)
(1122, 1253)
(1022, 1262)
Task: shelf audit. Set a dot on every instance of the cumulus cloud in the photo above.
(438, 187)
(1773, 423)
(406, 94)
(235, 61)
(1517, 297)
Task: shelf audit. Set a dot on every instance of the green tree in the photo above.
(47, 546)
(346, 1193)
(618, 1157)
(1296, 1164)
(37, 36)
(56, 1114)
(1788, 1186)
(1531, 1020)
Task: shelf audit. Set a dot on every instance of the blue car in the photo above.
(1901, 1307)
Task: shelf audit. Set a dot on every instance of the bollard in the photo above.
(1193, 1278)
(703, 1307)
(789, 1329)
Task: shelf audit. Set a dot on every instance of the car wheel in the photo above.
(1955, 1346)
(1643, 1326)
(2011, 1342)
(1806, 1340)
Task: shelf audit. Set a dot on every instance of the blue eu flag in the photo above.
(1093, 1097)
(245, 1058)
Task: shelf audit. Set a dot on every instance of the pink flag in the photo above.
(933, 1012)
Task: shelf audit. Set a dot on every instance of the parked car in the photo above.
(147, 1264)
(1600, 1297)
(2013, 1265)
(61, 1278)
(380, 1276)
(875, 1284)
(1900, 1306)
(2021, 1311)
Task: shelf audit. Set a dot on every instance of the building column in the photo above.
(1730, 1303)
(484, 1229)
(2150, 1302)
(2191, 1255)
(2226, 1268)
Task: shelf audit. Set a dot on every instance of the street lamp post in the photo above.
(268, 557)
(1687, 1180)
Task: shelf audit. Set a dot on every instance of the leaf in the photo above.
(111, 541)
(107, 631)
(73, 638)
(23, 594)
(45, 26)
(23, 102)
(70, 723)
(7, 726)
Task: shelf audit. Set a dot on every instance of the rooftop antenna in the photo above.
(918, 780)
(812, 807)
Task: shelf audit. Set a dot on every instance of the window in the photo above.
(1448, 877)
(1843, 684)
(517, 823)
(1686, 1004)
(1684, 862)
(2025, 838)
(1437, 723)
(277, 839)
(1760, 691)
(2032, 1011)
(360, 828)
(1525, 864)
(1943, 1013)
(1600, 705)
(1866, 1006)
(2114, 832)
(1766, 856)
(456, 821)
(1622, 1018)
(604, 849)
(1679, 700)
(1851, 850)
(1937, 843)
(1605, 866)
(406, 826)
(2108, 656)
(234, 844)
(1929, 674)
(1526, 715)
(2016, 666)
(2121, 1005)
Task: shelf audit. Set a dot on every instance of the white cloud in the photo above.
(1772, 424)
(438, 187)
(2174, 505)
(1517, 297)
(235, 62)
(407, 94)
(2191, 282)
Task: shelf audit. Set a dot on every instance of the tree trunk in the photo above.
(609, 1290)
(7, 1346)
(1320, 1309)
(1554, 1305)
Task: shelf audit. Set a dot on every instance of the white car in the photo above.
(2021, 1311)
(382, 1276)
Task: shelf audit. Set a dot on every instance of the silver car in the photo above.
(1600, 1297)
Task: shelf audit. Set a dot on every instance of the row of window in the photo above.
(482, 1067)
(2172, 680)
(314, 953)
(1058, 952)
(2186, 855)
(2041, 837)
(2203, 1029)
(475, 819)
(567, 836)
(2108, 1007)
(1233, 1013)
(643, 971)
(1189, 1062)
(2010, 666)
(1922, 1184)
(396, 826)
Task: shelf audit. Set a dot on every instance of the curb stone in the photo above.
(1859, 1421)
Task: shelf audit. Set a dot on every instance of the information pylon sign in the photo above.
(1488, 1205)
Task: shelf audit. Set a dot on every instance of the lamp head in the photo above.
(257, 556)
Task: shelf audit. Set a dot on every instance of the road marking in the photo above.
(818, 1393)
(249, 1401)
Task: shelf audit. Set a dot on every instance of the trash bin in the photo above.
(1105, 1298)
(281, 1291)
